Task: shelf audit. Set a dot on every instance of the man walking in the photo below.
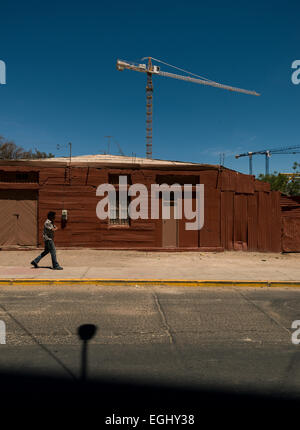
(48, 236)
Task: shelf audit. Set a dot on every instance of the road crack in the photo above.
(163, 319)
(264, 312)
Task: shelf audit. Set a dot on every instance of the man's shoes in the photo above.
(34, 264)
(58, 268)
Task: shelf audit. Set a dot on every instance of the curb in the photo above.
(151, 282)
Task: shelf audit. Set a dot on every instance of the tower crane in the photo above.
(150, 70)
(267, 153)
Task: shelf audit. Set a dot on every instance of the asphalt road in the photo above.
(230, 338)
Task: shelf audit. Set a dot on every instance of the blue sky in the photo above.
(63, 85)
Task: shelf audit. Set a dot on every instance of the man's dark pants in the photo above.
(49, 247)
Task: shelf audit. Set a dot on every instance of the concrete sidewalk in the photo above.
(83, 264)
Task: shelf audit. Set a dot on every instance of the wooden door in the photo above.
(8, 222)
(18, 217)
(170, 229)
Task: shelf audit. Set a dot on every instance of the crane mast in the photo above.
(149, 107)
(151, 69)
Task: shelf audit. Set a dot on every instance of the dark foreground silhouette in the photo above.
(43, 400)
(71, 400)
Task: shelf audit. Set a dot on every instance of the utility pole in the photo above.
(250, 163)
(268, 155)
(59, 146)
(222, 158)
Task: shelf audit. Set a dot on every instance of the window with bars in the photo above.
(118, 220)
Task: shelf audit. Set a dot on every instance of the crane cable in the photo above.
(178, 68)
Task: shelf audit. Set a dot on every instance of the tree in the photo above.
(286, 184)
(10, 151)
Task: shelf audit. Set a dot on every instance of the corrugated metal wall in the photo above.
(240, 212)
(290, 212)
(250, 213)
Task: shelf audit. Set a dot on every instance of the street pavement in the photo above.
(238, 339)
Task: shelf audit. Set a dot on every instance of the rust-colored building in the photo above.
(290, 211)
(240, 213)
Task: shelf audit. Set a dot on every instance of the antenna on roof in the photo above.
(119, 148)
(133, 157)
(222, 158)
(108, 143)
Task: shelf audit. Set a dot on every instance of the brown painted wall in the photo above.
(240, 212)
(290, 211)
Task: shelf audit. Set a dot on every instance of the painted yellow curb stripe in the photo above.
(152, 282)
(284, 284)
